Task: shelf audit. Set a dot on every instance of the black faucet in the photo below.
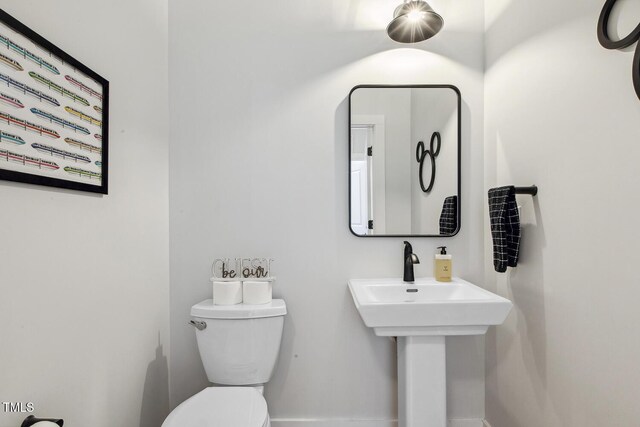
(409, 259)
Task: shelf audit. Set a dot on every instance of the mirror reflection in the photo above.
(404, 160)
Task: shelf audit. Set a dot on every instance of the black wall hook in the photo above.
(606, 41)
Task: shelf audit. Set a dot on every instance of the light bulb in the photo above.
(415, 16)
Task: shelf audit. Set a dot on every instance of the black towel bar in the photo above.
(533, 190)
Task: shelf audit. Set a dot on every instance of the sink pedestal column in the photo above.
(422, 385)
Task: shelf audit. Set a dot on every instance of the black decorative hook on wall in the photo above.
(633, 37)
(432, 152)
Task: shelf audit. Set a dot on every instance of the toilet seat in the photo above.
(221, 407)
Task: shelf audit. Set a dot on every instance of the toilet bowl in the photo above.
(221, 407)
(239, 346)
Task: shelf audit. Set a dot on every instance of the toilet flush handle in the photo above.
(198, 324)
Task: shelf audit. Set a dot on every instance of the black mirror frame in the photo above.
(415, 86)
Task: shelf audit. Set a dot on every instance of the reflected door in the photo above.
(361, 215)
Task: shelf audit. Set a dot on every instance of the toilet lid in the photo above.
(208, 310)
(221, 407)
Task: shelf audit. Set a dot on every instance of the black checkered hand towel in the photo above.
(449, 216)
(505, 227)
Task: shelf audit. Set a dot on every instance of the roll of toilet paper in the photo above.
(227, 293)
(256, 292)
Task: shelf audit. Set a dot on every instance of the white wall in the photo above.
(259, 168)
(84, 278)
(561, 113)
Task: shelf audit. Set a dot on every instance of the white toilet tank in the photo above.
(240, 343)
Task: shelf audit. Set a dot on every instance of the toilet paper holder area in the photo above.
(199, 325)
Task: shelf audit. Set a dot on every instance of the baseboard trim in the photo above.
(465, 422)
(486, 423)
(360, 422)
(332, 422)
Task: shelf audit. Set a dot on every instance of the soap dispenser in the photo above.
(442, 265)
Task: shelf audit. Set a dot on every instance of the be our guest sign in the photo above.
(241, 268)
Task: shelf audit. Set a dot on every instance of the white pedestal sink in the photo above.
(421, 314)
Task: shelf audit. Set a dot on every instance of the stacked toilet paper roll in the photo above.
(227, 293)
(256, 292)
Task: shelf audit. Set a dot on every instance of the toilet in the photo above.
(239, 346)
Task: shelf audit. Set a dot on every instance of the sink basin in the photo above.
(421, 314)
(427, 307)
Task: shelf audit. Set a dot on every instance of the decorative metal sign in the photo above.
(633, 37)
(241, 268)
(432, 152)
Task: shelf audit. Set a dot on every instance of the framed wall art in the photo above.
(54, 114)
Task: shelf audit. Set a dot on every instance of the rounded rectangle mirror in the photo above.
(404, 160)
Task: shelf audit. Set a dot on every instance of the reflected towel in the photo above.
(449, 216)
(505, 227)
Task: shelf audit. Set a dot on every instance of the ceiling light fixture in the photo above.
(414, 21)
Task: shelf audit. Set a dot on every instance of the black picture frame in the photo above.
(459, 159)
(82, 113)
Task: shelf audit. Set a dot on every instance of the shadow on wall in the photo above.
(274, 390)
(542, 17)
(525, 287)
(155, 397)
